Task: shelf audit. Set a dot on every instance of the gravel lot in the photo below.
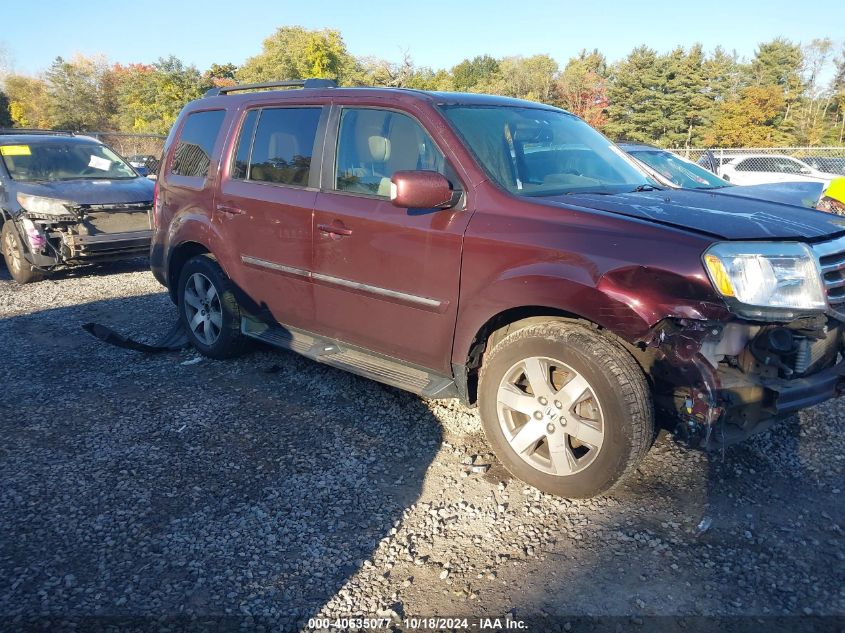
(273, 487)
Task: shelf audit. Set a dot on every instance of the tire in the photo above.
(20, 269)
(208, 309)
(586, 423)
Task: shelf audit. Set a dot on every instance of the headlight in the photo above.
(765, 279)
(39, 205)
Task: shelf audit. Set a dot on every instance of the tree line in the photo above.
(787, 94)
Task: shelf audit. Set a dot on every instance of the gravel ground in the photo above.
(275, 488)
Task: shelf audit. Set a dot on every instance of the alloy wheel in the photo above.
(550, 416)
(203, 309)
(12, 251)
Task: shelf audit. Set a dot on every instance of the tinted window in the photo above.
(239, 167)
(193, 153)
(373, 144)
(284, 143)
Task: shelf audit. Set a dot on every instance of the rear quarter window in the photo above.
(192, 156)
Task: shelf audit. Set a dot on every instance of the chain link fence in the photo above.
(757, 165)
(127, 144)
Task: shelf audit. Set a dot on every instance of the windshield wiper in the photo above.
(645, 187)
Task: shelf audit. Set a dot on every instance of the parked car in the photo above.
(144, 164)
(758, 169)
(676, 171)
(503, 252)
(67, 200)
(828, 164)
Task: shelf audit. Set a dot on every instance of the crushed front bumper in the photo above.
(719, 387)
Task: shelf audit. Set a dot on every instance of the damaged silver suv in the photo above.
(67, 200)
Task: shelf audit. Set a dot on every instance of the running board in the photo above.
(352, 359)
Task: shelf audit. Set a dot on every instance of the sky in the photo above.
(436, 33)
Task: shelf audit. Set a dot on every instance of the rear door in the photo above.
(266, 203)
(385, 278)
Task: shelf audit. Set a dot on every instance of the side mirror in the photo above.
(421, 190)
(806, 170)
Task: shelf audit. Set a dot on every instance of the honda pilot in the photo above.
(502, 252)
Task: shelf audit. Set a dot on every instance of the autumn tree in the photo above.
(530, 78)
(582, 87)
(750, 120)
(80, 94)
(218, 76)
(5, 114)
(816, 113)
(778, 63)
(837, 88)
(27, 101)
(151, 96)
(293, 52)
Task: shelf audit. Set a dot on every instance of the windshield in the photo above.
(679, 171)
(534, 152)
(63, 161)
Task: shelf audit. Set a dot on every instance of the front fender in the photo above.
(627, 301)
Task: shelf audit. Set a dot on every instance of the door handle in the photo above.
(336, 230)
(224, 208)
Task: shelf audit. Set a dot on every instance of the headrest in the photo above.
(379, 148)
(282, 145)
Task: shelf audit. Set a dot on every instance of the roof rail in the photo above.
(290, 83)
(31, 130)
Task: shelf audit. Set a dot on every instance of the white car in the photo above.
(759, 169)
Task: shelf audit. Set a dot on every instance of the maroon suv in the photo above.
(502, 252)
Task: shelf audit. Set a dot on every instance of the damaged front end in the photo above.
(780, 350)
(721, 382)
(58, 233)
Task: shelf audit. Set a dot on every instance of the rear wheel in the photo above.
(20, 269)
(209, 310)
(566, 409)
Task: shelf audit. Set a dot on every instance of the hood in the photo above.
(723, 216)
(801, 194)
(84, 191)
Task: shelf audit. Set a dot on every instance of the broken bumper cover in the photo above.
(720, 386)
(751, 404)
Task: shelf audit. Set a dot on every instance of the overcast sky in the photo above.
(436, 33)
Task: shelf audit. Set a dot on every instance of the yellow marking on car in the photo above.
(15, 150)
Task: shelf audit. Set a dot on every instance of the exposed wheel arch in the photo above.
(499, 326)
(178, 258)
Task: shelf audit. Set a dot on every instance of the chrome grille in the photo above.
(831, 256)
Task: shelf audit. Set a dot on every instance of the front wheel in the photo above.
(20, 269)
(566, 409)
(209, 310)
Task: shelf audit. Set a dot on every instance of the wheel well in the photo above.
(499, 326)
(178, 258)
